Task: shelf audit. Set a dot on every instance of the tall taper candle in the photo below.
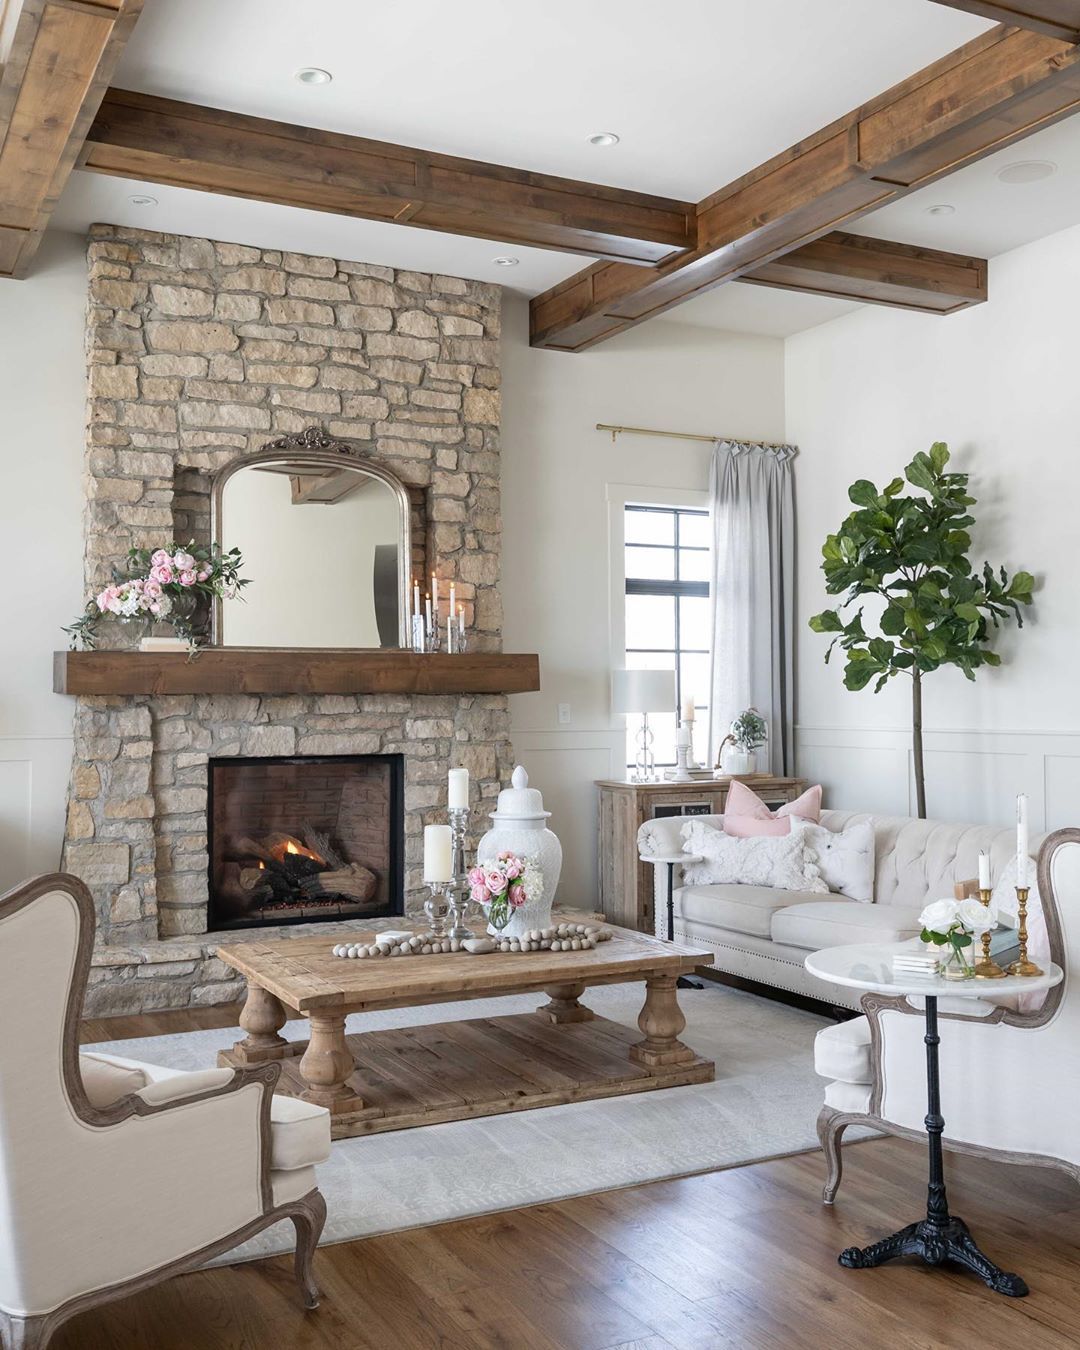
(416, 598)
(457, 796)
(453, 600)
(1022, 847)
(427, 612)
(435, 597)
(461, 619)
(437, 866)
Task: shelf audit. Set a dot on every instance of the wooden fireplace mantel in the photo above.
(267, 670)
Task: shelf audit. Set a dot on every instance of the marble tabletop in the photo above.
(869, 966)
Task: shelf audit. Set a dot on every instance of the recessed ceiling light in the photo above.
(603, 138)
(505, 261)
(142, 200)
(313, 75)
(1026, 171)
(942, 209)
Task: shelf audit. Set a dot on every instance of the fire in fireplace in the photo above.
(297, 839)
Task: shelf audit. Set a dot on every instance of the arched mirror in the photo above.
(324, 536)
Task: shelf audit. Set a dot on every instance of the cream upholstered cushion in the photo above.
(783, 862)
(842, 1051)
(106, 1080)
(299, 1130)
(845, 857)
(740, 909)
(835, 923)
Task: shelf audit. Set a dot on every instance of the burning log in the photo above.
(244, 884)
(355, 881)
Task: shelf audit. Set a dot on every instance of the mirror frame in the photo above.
(315, 446)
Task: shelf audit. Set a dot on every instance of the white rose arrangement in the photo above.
(955, 924)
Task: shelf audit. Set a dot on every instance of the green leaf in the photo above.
(968, 612)
(892, 621)
(863, 493)
(939, 456)
(920, 473)
(1022, 586)
(828, 621)
(897, 485)
(858, 674)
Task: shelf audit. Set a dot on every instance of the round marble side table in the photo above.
(940, 1236)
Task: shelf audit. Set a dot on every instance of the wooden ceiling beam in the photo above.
(163, 141)
(1053, 18)
(57, 58)
(989, 93)
(878, 272)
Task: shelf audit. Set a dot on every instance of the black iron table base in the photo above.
(940, 1237)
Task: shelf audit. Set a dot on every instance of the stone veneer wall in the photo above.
(199, 351)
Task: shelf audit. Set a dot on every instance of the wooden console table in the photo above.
(626, 884)
(392, 1080)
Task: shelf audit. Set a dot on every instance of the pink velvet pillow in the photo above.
(745, 814)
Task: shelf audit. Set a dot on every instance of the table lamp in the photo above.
(639, 693)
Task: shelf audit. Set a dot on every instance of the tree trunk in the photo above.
(916, 742)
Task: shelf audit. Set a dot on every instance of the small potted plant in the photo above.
(748, 732)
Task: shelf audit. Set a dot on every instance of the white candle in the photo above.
(461, 619)
(427, 613)
(688, 708)
(457, 794)
(449, 633)
(416, 598)
(1022, 849)
(435, 595)
(437, 853)
(984, 871)
(453, 599)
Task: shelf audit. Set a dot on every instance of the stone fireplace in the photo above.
(199, 351)
(304, 839)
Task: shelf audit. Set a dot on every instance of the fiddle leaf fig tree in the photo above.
(910, 553)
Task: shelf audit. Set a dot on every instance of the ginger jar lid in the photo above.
(520, 801)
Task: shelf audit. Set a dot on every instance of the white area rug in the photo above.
(764, 1102)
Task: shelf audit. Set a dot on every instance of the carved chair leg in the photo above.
(308, 1221)
(24, 1333)
(830, 1127)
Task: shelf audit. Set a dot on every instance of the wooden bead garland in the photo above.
(564, 937)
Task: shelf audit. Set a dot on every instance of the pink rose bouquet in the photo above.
(159, 583)
(503, 885)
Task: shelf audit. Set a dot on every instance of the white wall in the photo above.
(557, 475)
(999, 384)
(42, 407)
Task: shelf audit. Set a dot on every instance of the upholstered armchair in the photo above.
(1009, 1084)
(115, 1175)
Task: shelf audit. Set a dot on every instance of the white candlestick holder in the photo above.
(458, 889)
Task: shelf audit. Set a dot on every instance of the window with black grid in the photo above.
(667, 613)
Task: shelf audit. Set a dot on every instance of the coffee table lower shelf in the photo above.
(487, 1066)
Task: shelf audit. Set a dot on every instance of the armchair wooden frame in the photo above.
(832, 1123)
(308, 1213)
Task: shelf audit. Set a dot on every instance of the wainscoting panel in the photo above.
(565, 766)
(33, 791)
(970, 775)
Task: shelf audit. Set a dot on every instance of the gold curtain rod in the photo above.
(689, 436)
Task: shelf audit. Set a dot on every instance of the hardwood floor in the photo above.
(743, 1259)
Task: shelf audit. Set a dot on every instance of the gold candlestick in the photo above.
(987, 968)
(1023, 966)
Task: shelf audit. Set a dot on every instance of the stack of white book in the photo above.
(914, 962)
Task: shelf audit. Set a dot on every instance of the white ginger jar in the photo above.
(519, 823)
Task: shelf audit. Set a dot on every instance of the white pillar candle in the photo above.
(1022, 848)
(427, 613)
(457, 790)
(688, 708)
(984, 871)
(437, 853)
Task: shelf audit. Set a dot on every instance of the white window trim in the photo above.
(619, 497)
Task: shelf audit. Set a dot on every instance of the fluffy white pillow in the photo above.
(845, 857)
(782, 861)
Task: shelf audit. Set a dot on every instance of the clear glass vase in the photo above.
(957, 962)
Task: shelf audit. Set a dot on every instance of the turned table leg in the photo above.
(564, 1005)
(661, 1020)
(327, 1064)
(262, 1017)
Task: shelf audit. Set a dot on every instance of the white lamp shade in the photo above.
(643, 691)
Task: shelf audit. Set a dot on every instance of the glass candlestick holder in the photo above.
(437, 908)
(459, 886)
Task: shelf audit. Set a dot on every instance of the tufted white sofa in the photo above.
(764, 934)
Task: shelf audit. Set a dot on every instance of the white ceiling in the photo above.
(725, 87)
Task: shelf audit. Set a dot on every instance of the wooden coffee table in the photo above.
(393, 1080)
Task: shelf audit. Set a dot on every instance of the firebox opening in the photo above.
(299, 839)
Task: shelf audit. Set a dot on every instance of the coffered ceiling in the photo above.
(695, 103)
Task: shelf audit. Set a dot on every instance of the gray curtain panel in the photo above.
(752, 492)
